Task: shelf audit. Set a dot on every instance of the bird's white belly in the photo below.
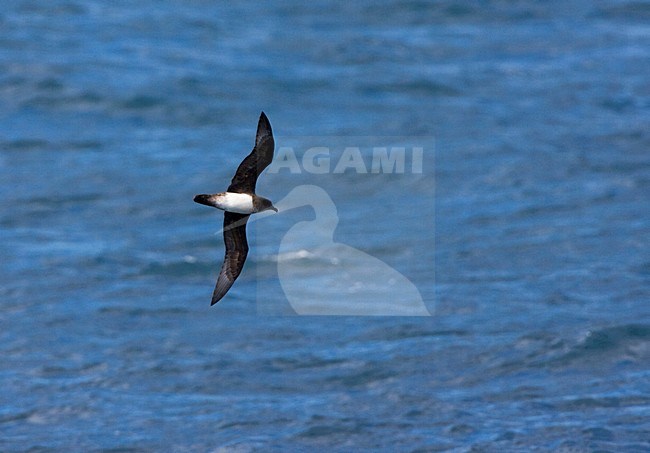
(240, 203)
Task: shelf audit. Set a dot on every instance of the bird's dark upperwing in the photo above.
(260, 158)
(234, 236)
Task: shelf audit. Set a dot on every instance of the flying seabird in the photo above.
(239, 202)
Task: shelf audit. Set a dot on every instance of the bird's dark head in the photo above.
(263, 204)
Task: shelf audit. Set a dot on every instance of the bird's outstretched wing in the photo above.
(234, 236)
(260, 158)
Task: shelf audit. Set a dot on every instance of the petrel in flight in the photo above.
(239, 202)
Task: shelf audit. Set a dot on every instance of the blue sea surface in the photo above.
(527, 233)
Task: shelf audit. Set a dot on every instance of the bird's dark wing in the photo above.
(234, 236)
(260, 158)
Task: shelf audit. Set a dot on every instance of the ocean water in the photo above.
(526, 234)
